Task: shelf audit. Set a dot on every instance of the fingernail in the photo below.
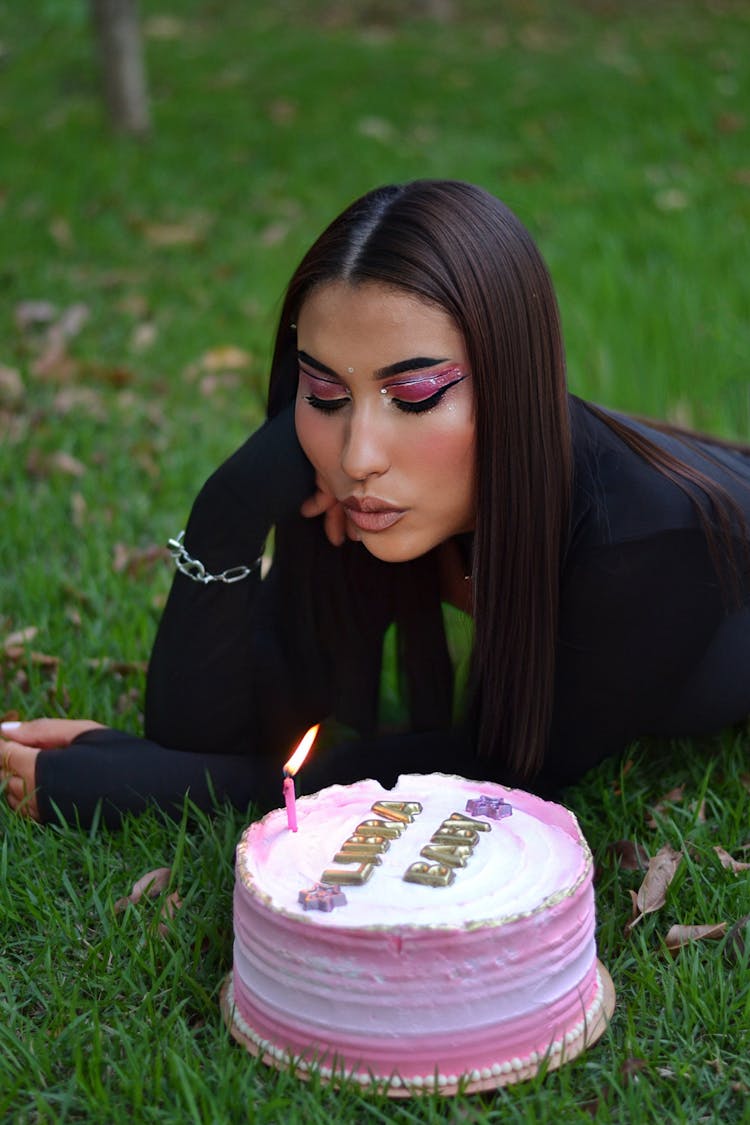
(9, 726)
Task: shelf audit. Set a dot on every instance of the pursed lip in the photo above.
(369, 513)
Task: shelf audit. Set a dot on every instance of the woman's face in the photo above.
(385, 414)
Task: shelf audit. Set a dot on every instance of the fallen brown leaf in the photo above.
(677, 936)
(631, 856)
(134, 560)
(632, 1068)
(730, 863)
(673, 797)
(119, 667)
(40, 659)
(30, 314)
(186, 232)
(20, 637)
(172, 904)
(12, 390)
(61, 232)
(151, 884)
(42, 465)
(226, 357)
(652, 893)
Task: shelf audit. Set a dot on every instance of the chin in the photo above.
(394, 552)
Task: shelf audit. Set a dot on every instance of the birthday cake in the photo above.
(435, 935)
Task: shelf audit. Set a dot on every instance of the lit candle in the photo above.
(290, 769)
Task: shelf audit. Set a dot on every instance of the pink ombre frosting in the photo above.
(408, 983)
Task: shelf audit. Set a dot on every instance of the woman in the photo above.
(422, 456)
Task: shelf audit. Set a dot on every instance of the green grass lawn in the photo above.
(620, 134)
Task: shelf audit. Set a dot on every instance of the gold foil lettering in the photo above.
(429, 874)
(401, 811)
(350, 852)
(467, 822)
(342, 877)
(391, 830)
(452, 833)
(449, 855)
(357, 838)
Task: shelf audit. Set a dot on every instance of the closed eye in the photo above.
(422, 405)
(327, 405)
(323, 394)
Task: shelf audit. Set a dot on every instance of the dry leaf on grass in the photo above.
(632, 856)
(652, 893)
(12, 389)
(43, 465)
(134, 560)
(730, 863)
(172, 904)
(226, 357)
(188, 231)
(40, 659)
(673, 797)
(20, 637)
(151, 884)
(117, 667)
(677, 936)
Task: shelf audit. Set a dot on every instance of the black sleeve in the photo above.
(215, 641)
(650, 644)
(216, 663)
(123, 773)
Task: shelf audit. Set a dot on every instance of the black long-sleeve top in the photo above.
(651, 640)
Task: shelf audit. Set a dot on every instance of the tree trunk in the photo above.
(121, 58)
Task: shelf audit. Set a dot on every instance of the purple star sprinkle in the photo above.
(322, 897)
(493, 807)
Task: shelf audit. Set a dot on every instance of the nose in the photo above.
(365, 451)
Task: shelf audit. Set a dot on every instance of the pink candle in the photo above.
(291, 803)
(290, 769)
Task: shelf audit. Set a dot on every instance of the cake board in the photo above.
(571, 1051)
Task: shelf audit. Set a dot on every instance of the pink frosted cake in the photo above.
(437, 933)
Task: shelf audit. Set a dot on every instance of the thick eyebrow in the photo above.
(416, 363)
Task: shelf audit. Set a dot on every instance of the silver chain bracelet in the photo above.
(194, 568)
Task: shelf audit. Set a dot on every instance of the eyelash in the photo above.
(330, 406)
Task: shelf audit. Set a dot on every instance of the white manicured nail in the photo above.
(9, 726)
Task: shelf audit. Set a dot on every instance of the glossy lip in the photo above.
(372, 514)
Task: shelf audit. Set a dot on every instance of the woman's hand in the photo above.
(19, 746)
(323, 503)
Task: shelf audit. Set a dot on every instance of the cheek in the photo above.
(316, 435)
(447, 452)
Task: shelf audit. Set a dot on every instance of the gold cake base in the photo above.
(571, 1051)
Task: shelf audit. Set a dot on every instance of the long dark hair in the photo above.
(459, 248)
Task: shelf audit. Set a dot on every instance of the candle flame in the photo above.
(303, 749)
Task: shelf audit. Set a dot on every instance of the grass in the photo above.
(619, 133)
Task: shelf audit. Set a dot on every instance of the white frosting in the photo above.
(520, 865)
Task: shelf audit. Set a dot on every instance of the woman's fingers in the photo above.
(316, 504)
(18, 773)
(46, 734)
(322, 503)
(334, 522)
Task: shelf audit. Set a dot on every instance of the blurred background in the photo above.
(144, 258)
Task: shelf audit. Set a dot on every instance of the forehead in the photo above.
(338, 316)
